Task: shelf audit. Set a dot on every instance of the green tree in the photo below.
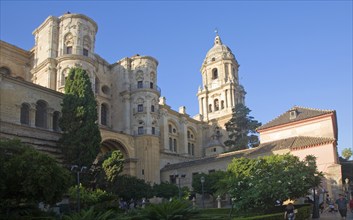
(165, 190)
(258, 183)
(29, 176)
(210, 185)
(130, 188)
(241, 129)
(347, 153)
(81, 138)
(113, 165)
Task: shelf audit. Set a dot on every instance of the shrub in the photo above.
(175, 209)
(90, 214)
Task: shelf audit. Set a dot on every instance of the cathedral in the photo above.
(158, 143)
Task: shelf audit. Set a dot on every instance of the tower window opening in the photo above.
(85, 52)
(104, 114)
(140, 130)
(139, 84)
(140, 108)
(151, 85)
(216, 105)
(170, 144)
(175, 145)
(170, 128)
(214, 73)
(152, 108)
(69, 50)
(222, 104)
(210, 107)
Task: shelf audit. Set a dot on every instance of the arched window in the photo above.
(86, 45)
(216, 105)
(104, 114)
(192, 149)
(170, 144)
(152, 108)
(5, 71)
(170, 128)
(63, 76)
(41, 114)
(175, 145)
(56, 116)
(210, 107)
(222, 104)
(24, 114)
(68, 43)
(214, 73)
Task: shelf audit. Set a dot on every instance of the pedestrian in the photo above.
(342, 206)
(289, 213)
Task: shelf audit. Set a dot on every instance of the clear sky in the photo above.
(290, 52)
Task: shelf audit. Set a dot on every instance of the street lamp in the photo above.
(78, 170)
(203, 199)
(315, 206)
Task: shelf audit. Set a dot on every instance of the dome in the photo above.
(219, 50)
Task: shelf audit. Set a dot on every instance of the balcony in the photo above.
(145, 86)
(146, 132)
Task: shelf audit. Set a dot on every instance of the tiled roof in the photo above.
(292, 143)
(301, 114)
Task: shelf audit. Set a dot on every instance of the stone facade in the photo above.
(133, 117)
(155, 140)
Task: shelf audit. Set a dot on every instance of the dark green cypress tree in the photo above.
(80, 142)
(242, 129)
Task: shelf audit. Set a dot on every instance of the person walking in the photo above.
(342, 206)
(289, 213)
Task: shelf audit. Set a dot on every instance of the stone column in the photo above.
(127, 112)
(231, 91)
(50, 112)
(183, 137)
(32, 115)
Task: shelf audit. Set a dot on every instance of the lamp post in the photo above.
(203, 199)
(78, 170)
(316, 213)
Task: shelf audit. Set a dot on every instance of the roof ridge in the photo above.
(280, 119)
(314, 109)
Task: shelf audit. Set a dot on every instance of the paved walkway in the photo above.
(335, 216)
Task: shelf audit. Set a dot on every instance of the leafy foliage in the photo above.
(175, 209)
(113, 165)
(347, 153)
(258, 183)
(89, 197)
(241, 129)
(130, 188)
(28, 176)
(81, 138)
(165, 190)
(210, 185)
(91, 214)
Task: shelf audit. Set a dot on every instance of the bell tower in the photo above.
(220, 90)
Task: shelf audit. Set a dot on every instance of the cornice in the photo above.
(44, 63)
(65, 16)
(49, 19)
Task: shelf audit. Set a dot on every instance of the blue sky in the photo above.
(290, 53)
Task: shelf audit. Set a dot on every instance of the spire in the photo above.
(217, 40)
